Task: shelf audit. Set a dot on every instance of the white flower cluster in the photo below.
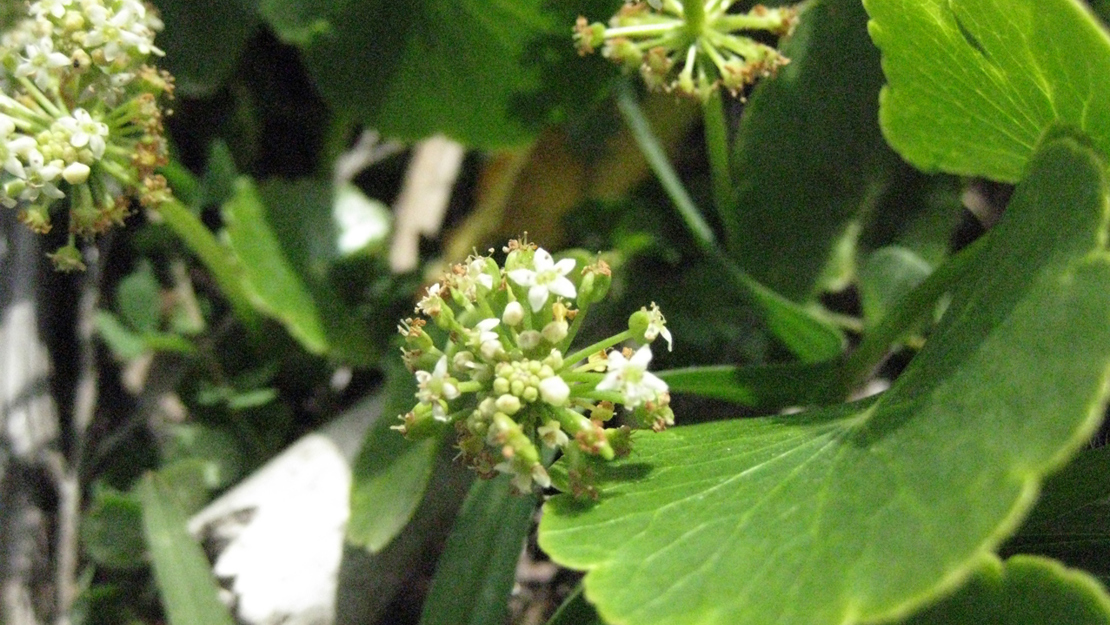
(114, 37)
(78, 115)
(498, 374)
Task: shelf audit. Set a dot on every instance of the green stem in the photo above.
(716, 142)
(200, 240)
(586, 352)
(910, 310)
(657, 160)
(694, 13)
(803, 333)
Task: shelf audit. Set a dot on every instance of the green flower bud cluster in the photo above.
(503, 374)
(79, 116)
(690, 47)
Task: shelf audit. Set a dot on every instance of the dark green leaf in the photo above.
(576, 611)
(203, 40)
(1071, 520)
(138, 299)
(972, 84)
(767, 387)
(864, 511)
(112, 530)
(888, 274)
(476, 571)
(475, 70)
(390, 475)
(189, 593)
(809, 157)
(1024, 590)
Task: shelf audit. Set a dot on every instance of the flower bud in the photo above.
(555, 331)
(513, 315)
(638, 324)
(554, 390)
(529, 340)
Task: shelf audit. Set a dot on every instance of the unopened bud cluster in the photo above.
(690, 47)
(79, 116)
(506, 378)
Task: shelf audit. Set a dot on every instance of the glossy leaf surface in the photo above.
(972, 84)
(864, 511)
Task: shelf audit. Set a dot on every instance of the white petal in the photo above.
(537, 296)
(523, 277)
(641, 358)
(542, 260)
(562, 286)
(564, 266)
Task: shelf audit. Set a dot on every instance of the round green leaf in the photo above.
(865, 511)
(972, 84)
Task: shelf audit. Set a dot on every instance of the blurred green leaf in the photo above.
(808, 156)
(862, 511)
(138, 298)
(475, 574)
(972, 84)
(1023, 590)
(124, 343)
(219, 453)
(473, 70)
(269, 275)
(286, 246)
(390, 474)
(112, 530)
(189, 593)
(203, 40)
(886, 276)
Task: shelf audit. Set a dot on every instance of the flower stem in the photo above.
(694, 13)
(586, 352)
(200, 240)
(657, 159)
(805, 334)
(716, 141)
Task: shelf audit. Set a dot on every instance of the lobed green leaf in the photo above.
(865, 511)
(972, 84)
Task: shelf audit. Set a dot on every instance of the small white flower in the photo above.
(86, 131)
(40, 61)
(488, 341)
(436, 388)
(554, 390)
(630, 377)
(432, 303)
(552, 434)
(547, 278)
(53, 8)
(657, 326)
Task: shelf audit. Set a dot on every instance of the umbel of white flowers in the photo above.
(79, 117)
(504, 374)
